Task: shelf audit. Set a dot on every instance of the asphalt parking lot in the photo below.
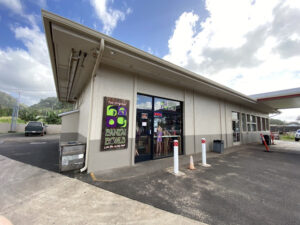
(247, 186)
(34, 150)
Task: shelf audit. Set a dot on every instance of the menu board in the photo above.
(115, 124)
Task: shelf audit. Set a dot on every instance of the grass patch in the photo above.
(287, 137)
(7, 119)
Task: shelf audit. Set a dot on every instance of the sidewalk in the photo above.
(151, 166)
(30, 195)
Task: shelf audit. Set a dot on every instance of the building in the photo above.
(130, 105)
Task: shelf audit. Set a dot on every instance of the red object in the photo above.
(203, 141)
(267, 147)
(176, 143)
(278, 97)
(157, 114)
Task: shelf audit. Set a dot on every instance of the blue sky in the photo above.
(148, 26)
(243, 44)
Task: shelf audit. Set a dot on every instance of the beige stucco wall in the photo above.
(69, 129)
(70, 123)
(83, 104)
(203, 116)
(116, 83)
(111, 83)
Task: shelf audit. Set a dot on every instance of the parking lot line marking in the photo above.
(95, 179)
(38, 143)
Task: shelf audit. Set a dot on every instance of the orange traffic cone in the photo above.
(192, 167)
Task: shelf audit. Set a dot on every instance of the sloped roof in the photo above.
(283, 99)
(68, 40)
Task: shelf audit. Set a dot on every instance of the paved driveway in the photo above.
(31, 195)
(34, 150)
(248, 186)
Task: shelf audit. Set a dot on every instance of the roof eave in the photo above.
(48, 17)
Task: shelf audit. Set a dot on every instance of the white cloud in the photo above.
(13, 5)
(250, 46)
(27, 70)
(108, 16)
(182, 41)
(288, 115)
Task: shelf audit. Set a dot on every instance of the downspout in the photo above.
(194, 122)
(101, 50)
(220, 119)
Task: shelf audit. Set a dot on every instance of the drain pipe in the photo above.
(100, 53)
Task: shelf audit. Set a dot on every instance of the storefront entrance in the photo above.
(158, 124)
(236, 131)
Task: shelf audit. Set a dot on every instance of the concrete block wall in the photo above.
(51, 129)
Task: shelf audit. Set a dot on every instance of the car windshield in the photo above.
(35, 124)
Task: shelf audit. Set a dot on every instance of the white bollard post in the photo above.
(203, 141)
(176, 157)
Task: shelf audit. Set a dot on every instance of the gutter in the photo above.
(68, 113)
(100, 54)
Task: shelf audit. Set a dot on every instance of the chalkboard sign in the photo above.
(115, 124)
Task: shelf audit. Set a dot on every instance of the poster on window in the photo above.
(115, 124)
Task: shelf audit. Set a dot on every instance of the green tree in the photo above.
(28, 115)
(52, 118)
(277, 122)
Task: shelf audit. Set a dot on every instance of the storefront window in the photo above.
(244, 124)
(263, 124)
(157, 127)
(253, 123)
(258, 123)
(267, 124)
(144, 102)
(249, 123)
(236, 126)
(166, 105)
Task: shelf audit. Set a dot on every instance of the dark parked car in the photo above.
(34, 127)
(297, 135)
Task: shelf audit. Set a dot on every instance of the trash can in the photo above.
(218, 146)
(267, 139)
(71, 156)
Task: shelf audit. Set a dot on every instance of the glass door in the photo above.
(167, 128)
(143, 145)
(236, 132)
(158, 124)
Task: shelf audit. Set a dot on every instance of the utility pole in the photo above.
(14, 116)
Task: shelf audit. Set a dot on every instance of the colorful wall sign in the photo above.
(157, 114)
(115, 124)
